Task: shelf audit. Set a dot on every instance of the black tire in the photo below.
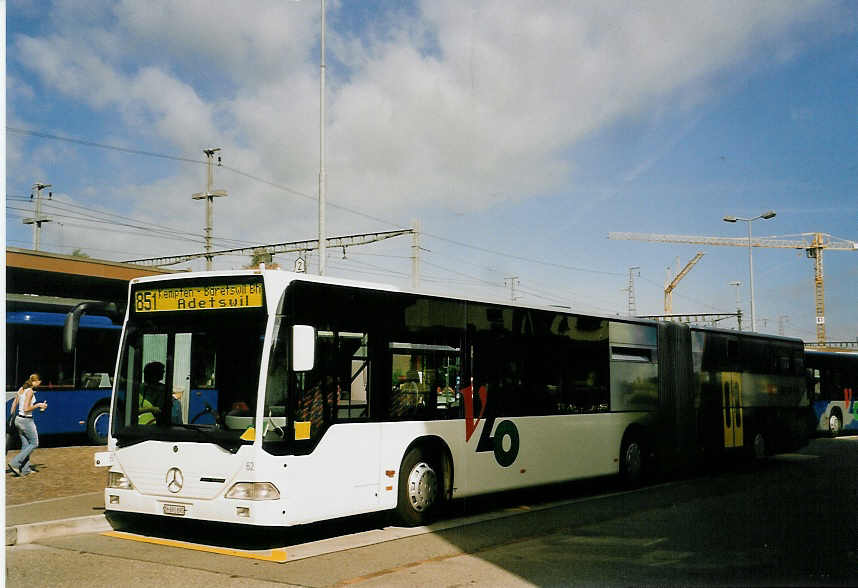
(835, 423)
(97, 424)
(632, 460)
(420, 488)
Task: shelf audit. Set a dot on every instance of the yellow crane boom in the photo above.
(668, 290)
(812, 243)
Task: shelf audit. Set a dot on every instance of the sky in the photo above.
(517, 134)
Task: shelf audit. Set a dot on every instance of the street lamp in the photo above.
(323, 239)
(732, 219)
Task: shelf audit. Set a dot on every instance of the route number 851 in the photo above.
(144, 301)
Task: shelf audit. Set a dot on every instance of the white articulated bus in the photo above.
(323, 398)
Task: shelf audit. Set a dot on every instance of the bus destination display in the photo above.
(199, 298)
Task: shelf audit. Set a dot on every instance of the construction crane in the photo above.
(668, 289)
(812, 243)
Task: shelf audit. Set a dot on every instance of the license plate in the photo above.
(174, 509)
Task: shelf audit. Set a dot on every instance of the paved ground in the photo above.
(62, 471)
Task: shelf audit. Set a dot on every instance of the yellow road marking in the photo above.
(275, 555)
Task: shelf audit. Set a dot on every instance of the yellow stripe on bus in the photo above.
(274, 555)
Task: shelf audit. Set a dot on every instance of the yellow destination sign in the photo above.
(199, 298)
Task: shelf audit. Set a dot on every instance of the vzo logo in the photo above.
(505, 457)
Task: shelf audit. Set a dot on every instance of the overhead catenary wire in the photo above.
(307, 196)
(108, 217)
(311, 197)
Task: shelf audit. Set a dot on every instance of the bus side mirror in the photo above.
(72, 322)
(303, 348)
(70, 327)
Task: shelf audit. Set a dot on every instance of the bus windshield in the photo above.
(193, 377)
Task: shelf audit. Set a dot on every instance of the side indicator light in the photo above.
(388, 488)
(390, 473)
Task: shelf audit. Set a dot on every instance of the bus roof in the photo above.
(283, 278)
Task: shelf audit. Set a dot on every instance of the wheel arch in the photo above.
(835, 411)
(101, 405)
(440, 451)
(637, 431)
(640, 433)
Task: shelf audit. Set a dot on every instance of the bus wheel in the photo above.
(835, 424)
(631, 461)
(419, 488)
(98, 423)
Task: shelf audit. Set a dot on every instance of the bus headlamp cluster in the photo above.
(118, 480)
(253, 491)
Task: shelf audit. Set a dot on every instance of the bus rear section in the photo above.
(832, 384)
(751, 390)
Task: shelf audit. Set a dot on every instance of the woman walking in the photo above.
(25, 402)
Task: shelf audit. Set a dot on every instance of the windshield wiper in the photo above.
(231, 445)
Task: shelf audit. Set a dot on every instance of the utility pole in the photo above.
(633, 271)
(38, 219)
(738, 304)
(322, 175)
(209, 196)
(511, 281)
(782, 321)
(415, 256)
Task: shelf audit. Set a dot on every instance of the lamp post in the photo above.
(322, 176)
(732, 219)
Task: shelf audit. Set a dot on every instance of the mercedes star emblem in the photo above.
(174, 480)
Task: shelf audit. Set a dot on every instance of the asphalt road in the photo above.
(791, 521)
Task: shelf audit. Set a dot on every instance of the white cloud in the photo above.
(469, 104)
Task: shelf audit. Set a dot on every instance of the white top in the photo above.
(21, 394)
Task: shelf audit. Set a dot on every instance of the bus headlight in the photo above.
(254, 491)
(118, 480)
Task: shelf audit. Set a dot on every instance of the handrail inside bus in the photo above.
(109, 309)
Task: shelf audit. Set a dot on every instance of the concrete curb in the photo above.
(22, 534)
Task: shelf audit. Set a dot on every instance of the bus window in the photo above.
(168, 379)
(424, 381)
(352, 392)
(336, 389)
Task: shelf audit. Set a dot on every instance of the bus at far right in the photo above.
(832, 386)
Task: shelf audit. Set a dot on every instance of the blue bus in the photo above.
(832, 385)
(76, 385)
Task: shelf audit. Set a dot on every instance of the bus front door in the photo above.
(731, 409)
